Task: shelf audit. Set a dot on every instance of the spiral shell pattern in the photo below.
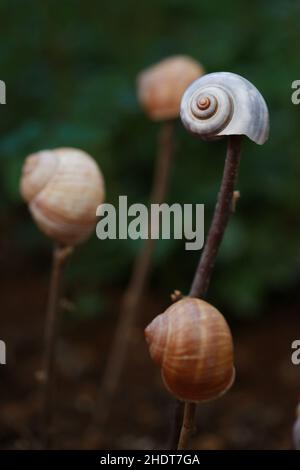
(224, 103)
(63, 188)
(192, 343)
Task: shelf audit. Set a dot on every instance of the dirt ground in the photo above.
(257, 413)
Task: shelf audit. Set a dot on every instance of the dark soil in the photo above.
(257, 413)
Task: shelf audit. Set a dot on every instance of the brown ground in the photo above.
(257, 413)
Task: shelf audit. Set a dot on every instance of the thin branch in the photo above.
(207, 261)
(187, 425)
(60, 255)
(139, 277)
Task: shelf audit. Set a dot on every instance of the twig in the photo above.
(220, 219)
(60, 255)
(207, 261)
(187, 425)
(140, 274)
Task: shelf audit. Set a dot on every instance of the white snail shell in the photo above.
(63, 187)
(224, 103)
(161, 86)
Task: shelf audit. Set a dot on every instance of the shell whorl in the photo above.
(192, 343)
(37, 171)
(224, 103)
(63, 188)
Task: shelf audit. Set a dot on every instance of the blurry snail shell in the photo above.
(296, 434)
(192, 343)
(160, 87)
(296, 429)
(224, 103)
(63, 187)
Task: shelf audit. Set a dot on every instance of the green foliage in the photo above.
(70, 69)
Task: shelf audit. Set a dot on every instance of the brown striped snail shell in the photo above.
(63, 188)
(224, 103)
(160, 87)
(192, 343)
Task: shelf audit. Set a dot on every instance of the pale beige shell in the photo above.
(63, 187)
(160, 87)
(192, 343)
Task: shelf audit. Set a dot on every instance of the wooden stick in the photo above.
(223, 210)
(60, 255)
(139, 277)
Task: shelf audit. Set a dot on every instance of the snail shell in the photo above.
(192, 343)
(224, 103)
(296, 434)
(63, 187)
(296, 429)
(160, 87)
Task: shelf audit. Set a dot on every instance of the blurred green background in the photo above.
(70, 68)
